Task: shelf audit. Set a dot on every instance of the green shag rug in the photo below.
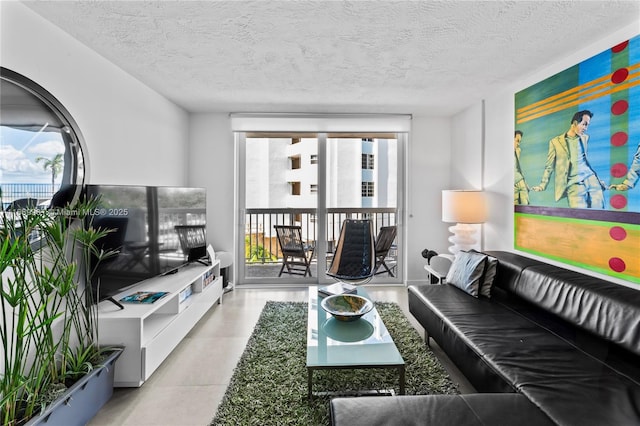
(269, 384)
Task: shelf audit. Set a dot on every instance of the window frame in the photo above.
(368, 161)
(76, 166)
(368, 189)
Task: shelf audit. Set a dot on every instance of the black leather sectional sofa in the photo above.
(551, 346)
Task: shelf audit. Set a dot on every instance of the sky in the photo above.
(19, 150)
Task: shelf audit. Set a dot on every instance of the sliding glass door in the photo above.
(311, 182)
(280, 189)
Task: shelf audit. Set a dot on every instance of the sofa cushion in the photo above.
(442, 310)
(459, 410)
(509, 268)
(607, 310)
(467, 272)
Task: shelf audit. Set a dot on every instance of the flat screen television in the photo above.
(156, 230)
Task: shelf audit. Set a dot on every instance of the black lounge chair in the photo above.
(354, 259)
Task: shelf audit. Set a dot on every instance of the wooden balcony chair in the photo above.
(384, 242)
(296, 256)
(354, 259)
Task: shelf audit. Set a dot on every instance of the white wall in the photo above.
(211, 166)
(498, 175)
(428, 162)
(466, 156)
(133, 135)
(499, 128)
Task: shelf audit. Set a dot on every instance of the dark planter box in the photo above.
(82, 401)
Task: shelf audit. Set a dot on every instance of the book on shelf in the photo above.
(185, 294)
(337, 288)
(144, 297)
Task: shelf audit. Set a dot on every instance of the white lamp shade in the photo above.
(464, 206)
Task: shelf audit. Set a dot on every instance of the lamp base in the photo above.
(463, 237)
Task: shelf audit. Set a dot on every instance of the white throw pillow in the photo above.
(467, 271)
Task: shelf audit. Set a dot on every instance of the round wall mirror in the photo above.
(42, 163)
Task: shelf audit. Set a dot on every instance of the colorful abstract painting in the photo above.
(577, 163)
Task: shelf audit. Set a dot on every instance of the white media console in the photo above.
(149, 332)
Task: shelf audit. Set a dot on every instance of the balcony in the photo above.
(262, 252)
(15, 191)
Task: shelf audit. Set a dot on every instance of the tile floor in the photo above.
(189, 385)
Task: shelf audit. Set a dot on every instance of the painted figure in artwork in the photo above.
(574, 178)
(520, 187)
(631, 178)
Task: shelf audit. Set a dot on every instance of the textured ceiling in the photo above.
(434, 57)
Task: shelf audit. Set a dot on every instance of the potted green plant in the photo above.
(49, 330)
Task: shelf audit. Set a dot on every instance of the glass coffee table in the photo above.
(364, 343)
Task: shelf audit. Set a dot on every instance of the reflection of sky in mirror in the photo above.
(19, 150)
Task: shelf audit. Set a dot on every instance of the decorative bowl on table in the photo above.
(346, 307)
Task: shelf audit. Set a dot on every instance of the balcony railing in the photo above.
(261, 244)
(15, 191)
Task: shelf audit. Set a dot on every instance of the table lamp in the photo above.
(466, 209)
